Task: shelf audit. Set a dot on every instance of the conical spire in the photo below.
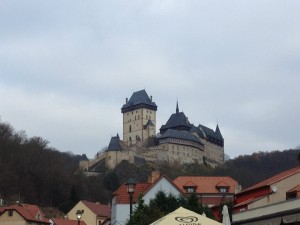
(218, 132)
(177, 108)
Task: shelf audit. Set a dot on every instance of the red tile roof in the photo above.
(28, 212)
(206, 184)
(98, 209)
(274, 179)
(295, 189)
(122, 197)
(62, 221)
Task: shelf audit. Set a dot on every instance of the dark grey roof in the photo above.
(114, 144)
(176, 120)
(150, 123)
(211, 133)
(180, 134)
(218, 133)
(196, 130)
(139, 99)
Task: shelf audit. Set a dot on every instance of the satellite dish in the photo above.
(274, 188)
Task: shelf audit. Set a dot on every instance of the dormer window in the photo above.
(293, 193)
(223, 189)
(190, 189)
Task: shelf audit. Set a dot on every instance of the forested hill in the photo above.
(32, 172)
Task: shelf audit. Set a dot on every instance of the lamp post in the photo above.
(79, 215)
(130, 185)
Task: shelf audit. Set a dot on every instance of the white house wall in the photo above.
(120, 214)
(162, 185)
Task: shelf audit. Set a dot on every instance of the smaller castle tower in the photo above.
(139, 118)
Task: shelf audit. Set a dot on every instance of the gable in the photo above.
(15, 216)
(164, 185)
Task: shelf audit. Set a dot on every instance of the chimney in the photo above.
(153, 176)
(126, 100)
(237, 189)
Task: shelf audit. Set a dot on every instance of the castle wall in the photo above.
(213, 152)
(113, 158)
(181, 154)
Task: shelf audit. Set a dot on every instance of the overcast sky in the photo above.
(66, 68)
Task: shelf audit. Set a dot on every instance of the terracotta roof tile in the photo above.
(28, 212)
(98, 209)
(206, 184)
(222, 184)
(275, 178)
(122, 197)
(190, 184)
(295, 189)
(62, 221)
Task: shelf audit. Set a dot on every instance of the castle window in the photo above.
(130, 139)
(138, 117)
(129, 128)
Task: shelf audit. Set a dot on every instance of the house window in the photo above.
(222, 189)
(190, 189)
(291, 195)
(10, 213)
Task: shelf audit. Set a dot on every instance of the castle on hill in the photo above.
(178, 142)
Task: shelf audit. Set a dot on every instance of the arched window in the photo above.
(129, 128)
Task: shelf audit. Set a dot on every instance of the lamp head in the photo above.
(79, 214)
(130, 185)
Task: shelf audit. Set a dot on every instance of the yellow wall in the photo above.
(15, 219)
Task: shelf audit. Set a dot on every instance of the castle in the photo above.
(178, 142)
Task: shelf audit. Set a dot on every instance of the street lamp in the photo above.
(130, 185)
(79, 215)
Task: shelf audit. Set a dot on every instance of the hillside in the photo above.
(32, 172)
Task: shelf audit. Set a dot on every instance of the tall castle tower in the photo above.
(139, 117)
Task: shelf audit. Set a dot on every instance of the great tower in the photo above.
(139, 117)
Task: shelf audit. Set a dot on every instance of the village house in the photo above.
(92, 213)
(121, 203)
(22, 214)
(273, 201)
(212, 191)
(65, 221)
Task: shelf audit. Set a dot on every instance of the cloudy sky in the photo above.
(66, 68)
